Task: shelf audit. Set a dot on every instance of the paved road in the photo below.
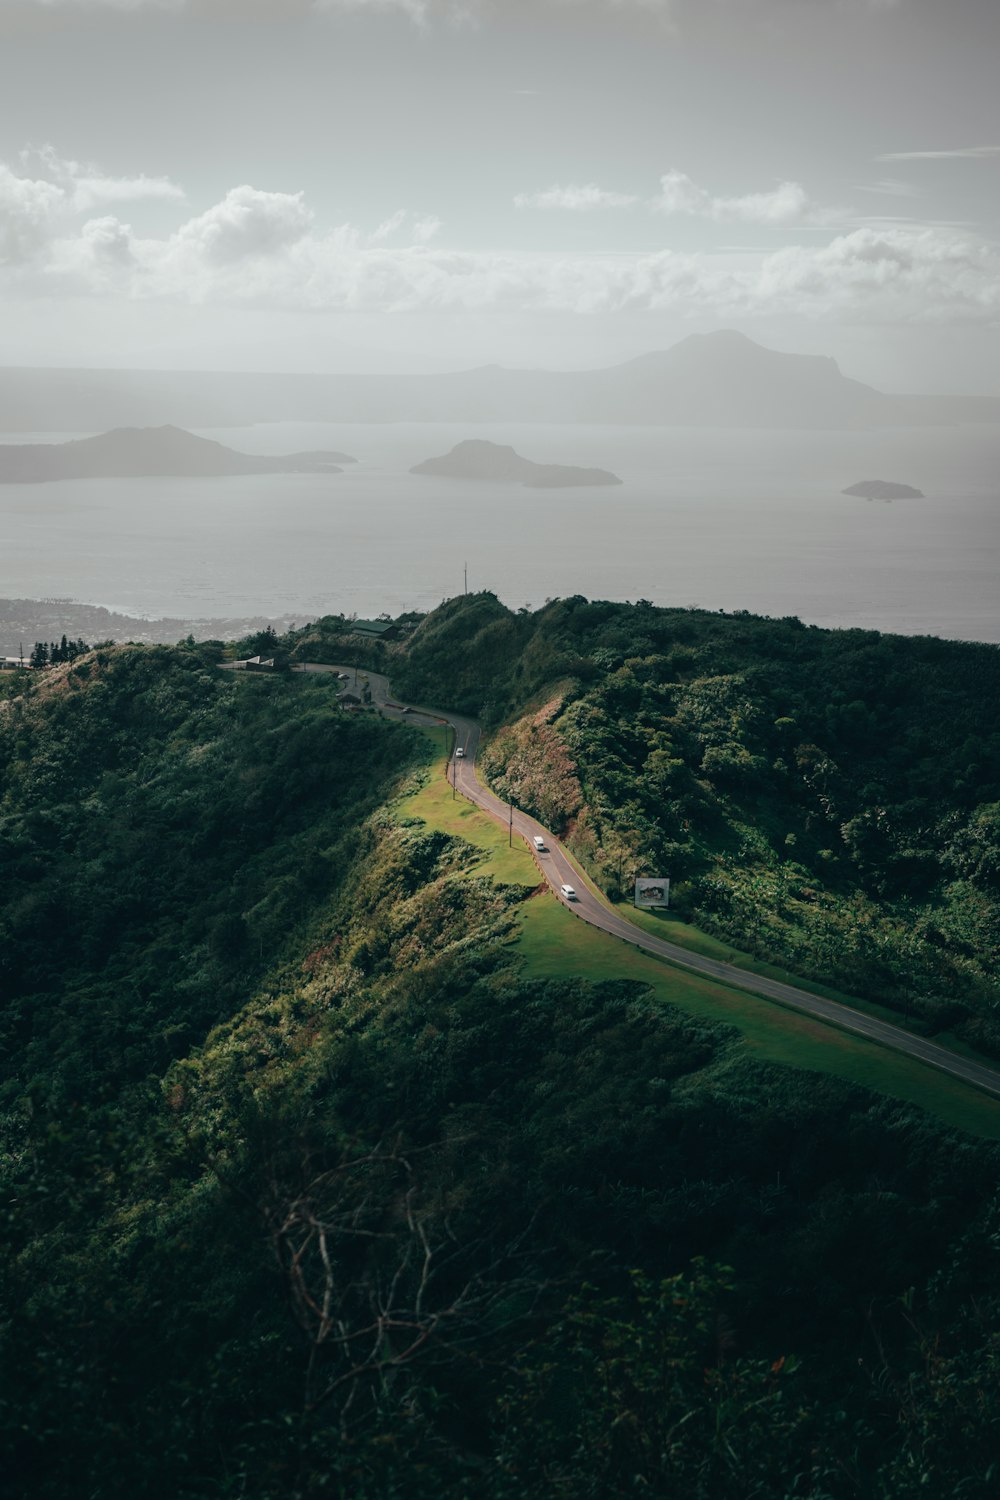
(557, 870)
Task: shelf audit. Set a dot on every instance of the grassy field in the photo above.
(555, 944)
(663, 924)
(435, 806)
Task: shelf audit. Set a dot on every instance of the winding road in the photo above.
(557, 869)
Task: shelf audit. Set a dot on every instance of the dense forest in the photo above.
(310, 1190)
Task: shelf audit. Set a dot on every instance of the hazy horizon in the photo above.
(722, 379)
(431, 366)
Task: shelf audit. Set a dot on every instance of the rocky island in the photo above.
(882, 489)
(478, 459)
(150, 452)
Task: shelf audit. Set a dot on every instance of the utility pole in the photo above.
(510, 836)
(466, 577)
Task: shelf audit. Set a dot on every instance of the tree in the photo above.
(265, 642)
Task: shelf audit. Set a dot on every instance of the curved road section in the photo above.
(558, 870)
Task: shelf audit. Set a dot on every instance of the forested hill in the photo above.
(828, 800)
(311, 1187)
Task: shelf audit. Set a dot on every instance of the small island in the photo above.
(150, 452)
(478, 459)
(882, 489)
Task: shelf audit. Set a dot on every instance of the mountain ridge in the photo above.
(718, 379)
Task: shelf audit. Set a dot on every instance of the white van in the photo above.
(538, 842)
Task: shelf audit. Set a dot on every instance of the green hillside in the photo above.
(328, 1170)
(826, 801)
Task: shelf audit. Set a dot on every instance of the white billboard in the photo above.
(652, 891)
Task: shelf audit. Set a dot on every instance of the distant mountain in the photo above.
(141, 452)
(883, 489)
(720, 379)
(478, 459)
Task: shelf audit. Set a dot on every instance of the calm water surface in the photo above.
(724, 520)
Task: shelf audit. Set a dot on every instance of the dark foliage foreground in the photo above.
(308, 1192)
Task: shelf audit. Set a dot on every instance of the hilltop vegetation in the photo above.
(164, 830)
(826, 800)
(309, 1190)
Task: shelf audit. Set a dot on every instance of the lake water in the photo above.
(724, 520)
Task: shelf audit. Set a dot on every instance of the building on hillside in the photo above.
(11, 663)
(255, 664)
(375, 630)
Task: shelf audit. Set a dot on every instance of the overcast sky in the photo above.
(427, 184)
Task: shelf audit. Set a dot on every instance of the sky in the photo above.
(412, 185)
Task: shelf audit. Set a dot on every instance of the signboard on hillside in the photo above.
(652, 891)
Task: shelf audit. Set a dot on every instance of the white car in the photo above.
(459, 753)
(568, 892)
(538, 841)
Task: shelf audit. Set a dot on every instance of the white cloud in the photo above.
(426, 229)
(92, 192)
(787, 203)
(87, 187)
(108, 241)
(265, 249)
(247, 223)
(970, 153)
(420, 230)
(389, 226)
(898, 273)
(100, 259)
(575, 197)
(905, 273)
(28, 211)
(890, 187)
(35, 208)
